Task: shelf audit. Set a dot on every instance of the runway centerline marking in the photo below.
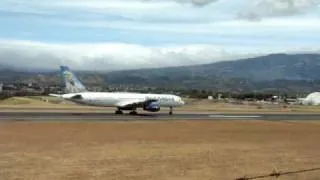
(232, 116)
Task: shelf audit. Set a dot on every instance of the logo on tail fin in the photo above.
(69, 77)
(72, 83)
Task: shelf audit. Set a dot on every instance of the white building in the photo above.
(311, 99)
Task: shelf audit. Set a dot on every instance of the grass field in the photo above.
(177, 150)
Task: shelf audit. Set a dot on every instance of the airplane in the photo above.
(130, 101)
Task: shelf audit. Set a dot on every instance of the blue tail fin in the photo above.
(72, 83)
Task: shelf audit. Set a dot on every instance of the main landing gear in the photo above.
(133, 112)
(118, 111)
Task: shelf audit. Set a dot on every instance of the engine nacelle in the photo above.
(152, 107)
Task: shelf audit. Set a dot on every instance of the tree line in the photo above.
(204, 94)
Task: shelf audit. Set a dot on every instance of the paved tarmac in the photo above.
(78, 116)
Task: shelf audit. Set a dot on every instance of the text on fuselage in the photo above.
(161, 98)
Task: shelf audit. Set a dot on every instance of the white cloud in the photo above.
(219, 27)
(257, 9)
(109, 56)
(165, 10)
(197, 2)
(116, 56)
(133, 4)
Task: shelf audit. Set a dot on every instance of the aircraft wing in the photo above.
(134, 102)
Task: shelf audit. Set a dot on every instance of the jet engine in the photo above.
(152, 107)
(77, 97)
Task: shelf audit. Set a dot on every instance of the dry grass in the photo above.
(157, 150)
(211, 106)
(34, 101)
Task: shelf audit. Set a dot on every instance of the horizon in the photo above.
(123, 35)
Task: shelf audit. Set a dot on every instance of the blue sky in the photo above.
(125, 34)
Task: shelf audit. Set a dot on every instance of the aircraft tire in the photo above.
(118, 112)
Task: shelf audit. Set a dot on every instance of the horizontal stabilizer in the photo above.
(56, 95)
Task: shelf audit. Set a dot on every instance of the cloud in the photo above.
(257, 9)
(197, 2)
(214, 28)
(117, 56)
(143, 3)
(160, 10)
(107, 56)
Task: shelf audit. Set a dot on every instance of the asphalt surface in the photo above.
(67, 116)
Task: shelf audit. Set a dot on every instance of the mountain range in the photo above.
(264, 68)
(294, 72)
(275, 72)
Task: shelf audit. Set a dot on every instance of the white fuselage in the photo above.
(113, 99)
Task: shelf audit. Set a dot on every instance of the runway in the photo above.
(78, 116)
